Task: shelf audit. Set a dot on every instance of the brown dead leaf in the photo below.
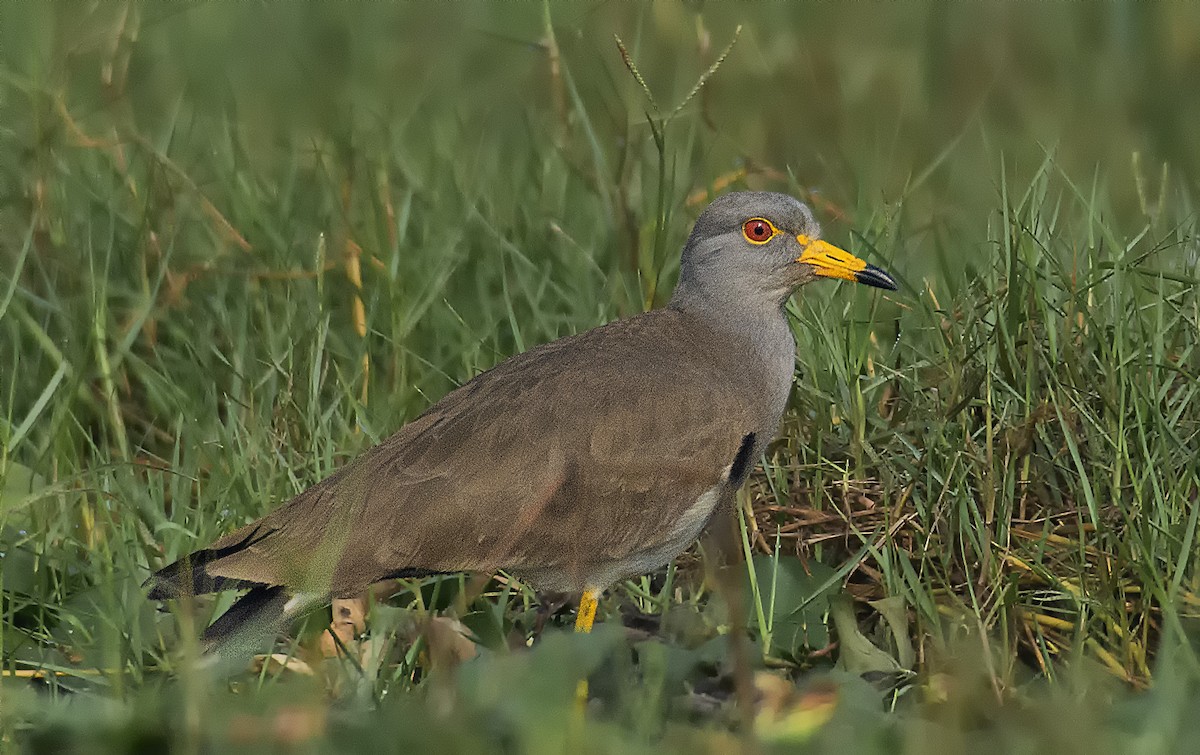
(789, 714)
(349, 621)
(295, 725)
(278, 662)
(448, 642)
(291, 725)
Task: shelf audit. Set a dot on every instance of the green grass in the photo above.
(986, 487)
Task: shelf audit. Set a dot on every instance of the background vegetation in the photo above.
(240, 243)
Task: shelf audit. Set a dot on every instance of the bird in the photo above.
(575, 464)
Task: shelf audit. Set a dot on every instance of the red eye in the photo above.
(757, 230)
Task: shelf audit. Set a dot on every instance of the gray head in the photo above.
(752, 246)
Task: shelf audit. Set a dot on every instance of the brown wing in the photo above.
(582, 450)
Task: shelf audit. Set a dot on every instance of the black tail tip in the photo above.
(160, 589)
(188, 576)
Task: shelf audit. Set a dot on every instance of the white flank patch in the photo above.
(683, 534)
(693, 520)
(301, 602)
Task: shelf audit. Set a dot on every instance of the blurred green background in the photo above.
(240, 242)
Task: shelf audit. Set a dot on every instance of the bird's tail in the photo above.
(250, 625)
(260, 612)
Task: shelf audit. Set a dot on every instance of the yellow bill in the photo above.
(829, 261)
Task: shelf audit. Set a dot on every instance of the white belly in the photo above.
(601, 576)
(682, 534)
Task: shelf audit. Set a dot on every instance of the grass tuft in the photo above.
(226, 271)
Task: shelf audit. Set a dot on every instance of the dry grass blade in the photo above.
(704, 77)
(637, 75)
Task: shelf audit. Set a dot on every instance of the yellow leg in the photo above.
(587, 610)
(583, 623)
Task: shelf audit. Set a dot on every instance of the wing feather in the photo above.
(616, 431)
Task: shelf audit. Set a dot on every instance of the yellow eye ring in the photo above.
(758, 230)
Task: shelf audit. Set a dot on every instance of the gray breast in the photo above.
(773, 349)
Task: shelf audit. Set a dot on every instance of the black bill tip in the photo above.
(873, 276)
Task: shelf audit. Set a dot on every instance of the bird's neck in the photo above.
(758, 320)
(754, 331)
